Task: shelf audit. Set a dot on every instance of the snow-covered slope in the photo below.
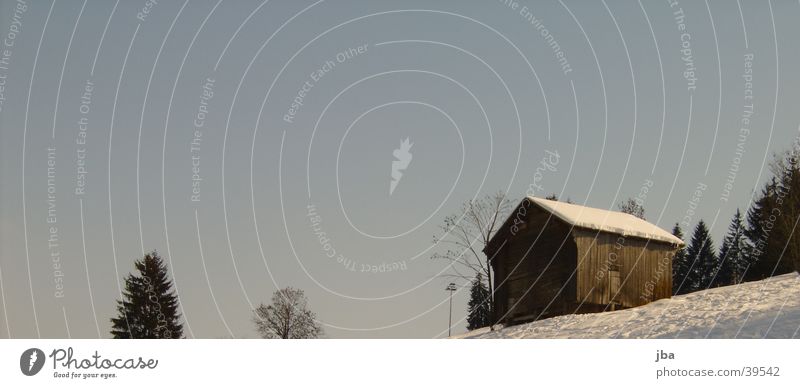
(769, 308)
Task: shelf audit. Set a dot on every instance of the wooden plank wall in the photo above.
(645, 268)
(534, 273)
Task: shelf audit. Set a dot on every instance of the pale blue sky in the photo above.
(475, 85)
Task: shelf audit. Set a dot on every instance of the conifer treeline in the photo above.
(758, 246)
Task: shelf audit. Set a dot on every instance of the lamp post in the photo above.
(450, 287)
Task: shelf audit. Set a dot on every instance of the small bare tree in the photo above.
(632, 207)
(464, 235)
(288, 317)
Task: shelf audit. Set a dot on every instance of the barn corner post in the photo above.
(489, 271)
(501, 203)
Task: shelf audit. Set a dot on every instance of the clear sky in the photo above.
(127, 127)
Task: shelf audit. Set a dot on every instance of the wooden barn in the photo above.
(553, 258)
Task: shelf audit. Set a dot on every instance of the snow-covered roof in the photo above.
(605, 220)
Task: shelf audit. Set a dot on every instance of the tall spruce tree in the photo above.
(149, 306)
(733, 255)
(680, 264)
(724, 274)
(478, 309)
(703, 258)
(758, 230)
(773, 219)
(786, 257)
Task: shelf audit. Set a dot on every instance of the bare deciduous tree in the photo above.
(288, 317)
(465, 234)
(633, 207)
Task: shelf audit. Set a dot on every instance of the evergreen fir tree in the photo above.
(680, 264)
(784, 258)
(724, 274)
(773, 219)
(733, 254)
(149, 306)
(758, 231)
(700, 254)
(478, 308)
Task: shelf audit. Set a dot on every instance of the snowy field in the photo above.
(764, 309)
